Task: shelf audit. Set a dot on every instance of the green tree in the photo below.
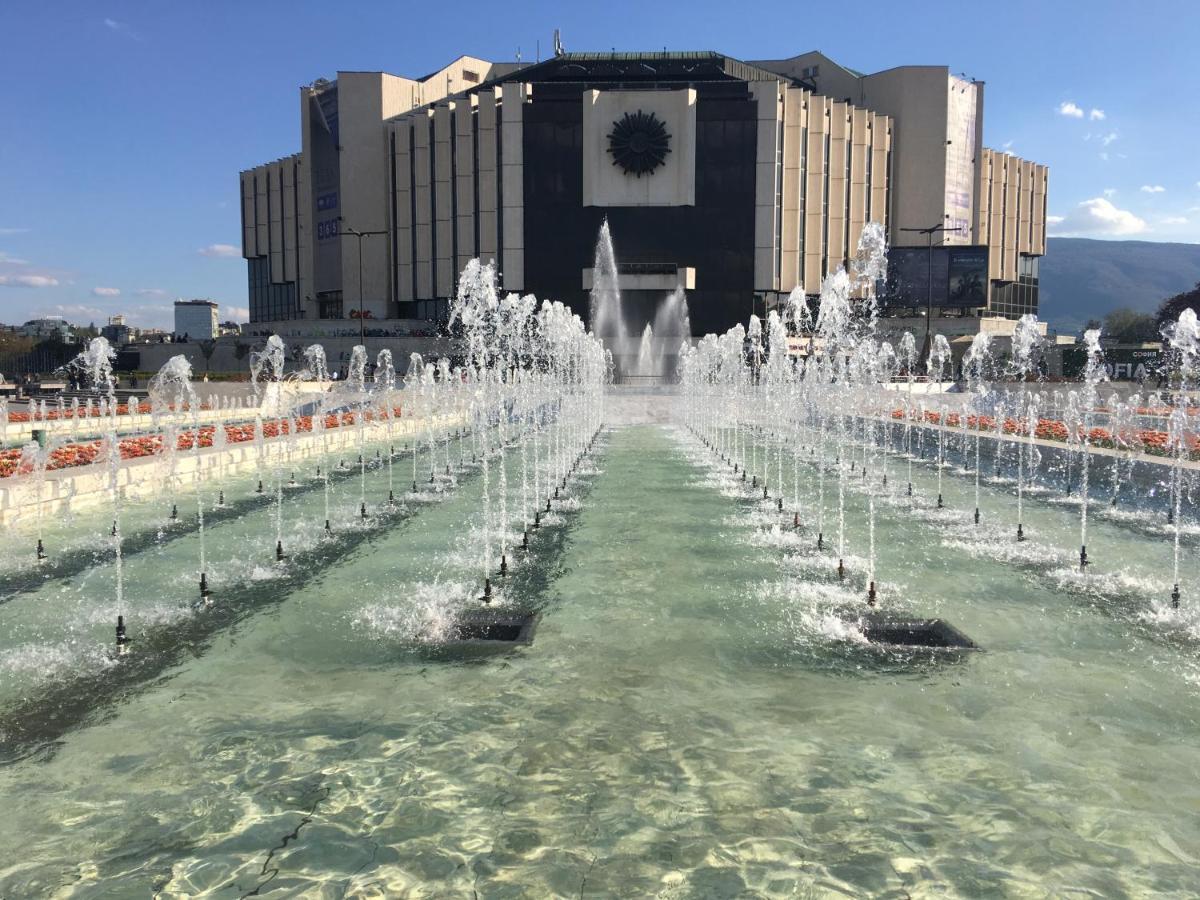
(206, 350)
(1169, 309)
(1128, 326)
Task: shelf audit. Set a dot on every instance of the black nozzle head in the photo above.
(122, 637)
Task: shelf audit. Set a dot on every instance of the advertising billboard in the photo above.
(959, 277)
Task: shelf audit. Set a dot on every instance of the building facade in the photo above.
(737, 181)
(196, 319)
(49, 328)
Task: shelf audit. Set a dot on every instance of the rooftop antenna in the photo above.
(537, 47)
(518, 56)
(558, 44)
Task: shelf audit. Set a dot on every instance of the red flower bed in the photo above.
(81, 454)
(1150, 441)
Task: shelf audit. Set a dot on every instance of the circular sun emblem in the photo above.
(639, 143)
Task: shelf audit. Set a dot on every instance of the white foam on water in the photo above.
(1005, 548)
(426, 613)
(42, 662)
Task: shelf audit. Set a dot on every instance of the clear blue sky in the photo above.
(127, 122)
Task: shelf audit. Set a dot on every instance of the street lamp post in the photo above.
(347, 230)
(929, 233)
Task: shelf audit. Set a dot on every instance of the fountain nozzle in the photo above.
(122, 637)
(221, 498)
(779, 504)
(796, 520)
(363, 509)
(841, 570)
(977, 515)
(174, 511)
(1175, 598)
(1083, 558)
(503, 566)
(820, 540)
(328, 530)
(547, 504)
(41, 551)
(525, 540)
(940, 501)
(279, 554)
(910, 489)
(871, 595)
(204, 591)
(1020, 532)
(259, 489)
(766, 496)
(487, 591)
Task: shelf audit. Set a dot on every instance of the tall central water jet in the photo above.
(605, 312)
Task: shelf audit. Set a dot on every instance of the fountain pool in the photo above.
(689, 721)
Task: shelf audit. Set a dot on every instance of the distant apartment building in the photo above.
(49, 328)
(739, 181)
(196, 320)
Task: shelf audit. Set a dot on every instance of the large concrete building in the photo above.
(738, 181)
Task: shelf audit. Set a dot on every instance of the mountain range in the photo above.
(1084, 279)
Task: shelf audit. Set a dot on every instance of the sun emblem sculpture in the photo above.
(639, 143)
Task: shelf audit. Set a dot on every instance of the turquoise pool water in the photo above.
(690, 721)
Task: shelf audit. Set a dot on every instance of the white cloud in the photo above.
(151, 292)
(1097, 217)
(106, 292)
(30, 281)
(220, 251)
(121, 28)
(1153, 189)
(1109, 138)
(1110, 192)
(12, 260)
(1104, 155)
(235, 313)
(1193, 209)
(8, 231)
(1175, 220)
(1096, 115)
(1069, 109)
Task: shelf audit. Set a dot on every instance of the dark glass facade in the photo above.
(715, 237)
(428, 310)
(269, 301)
(1013, 299)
